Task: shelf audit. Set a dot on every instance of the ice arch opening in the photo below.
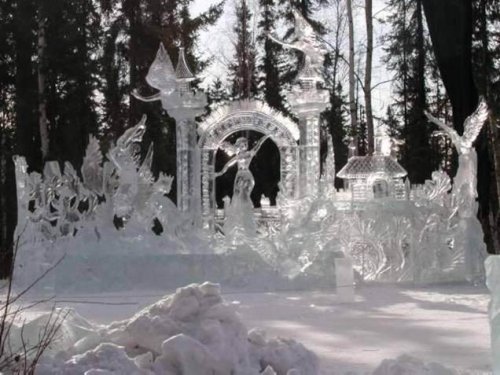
(240, 116)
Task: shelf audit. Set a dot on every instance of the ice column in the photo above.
(184, 105)
(308, 101)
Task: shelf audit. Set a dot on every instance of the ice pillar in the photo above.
(308, 101)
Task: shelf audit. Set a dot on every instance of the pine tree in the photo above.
(70, 72)
(8, 217)
(407, 59)
(271, 82)
(217, 94)
(243, 69)
(485, 55)
(334, 120)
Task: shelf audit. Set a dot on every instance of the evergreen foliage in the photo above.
(243, 69)
(407, 56)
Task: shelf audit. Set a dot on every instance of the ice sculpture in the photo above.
(161, 74)
(465, 181)
(492, 265)
(240, 217)
(385, 227)
(184, 105)
(469, 234)
(306, 40)
(308, 100)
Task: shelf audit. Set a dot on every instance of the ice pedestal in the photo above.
(344, 277)
(492, 265)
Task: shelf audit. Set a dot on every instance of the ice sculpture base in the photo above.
(105, 273)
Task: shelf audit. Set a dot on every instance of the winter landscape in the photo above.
(261, 187)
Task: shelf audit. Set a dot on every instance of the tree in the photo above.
(352, 82)
(8, 216)
(406, 56)
(243, 69)
(334, 119)
(367, 87)
(271, 76)
(452, 45)
(216, 93)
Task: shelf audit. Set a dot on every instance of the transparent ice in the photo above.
(379, 227)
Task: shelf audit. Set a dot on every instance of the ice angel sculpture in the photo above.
(240, 212)
(306, 40)
(465, 181)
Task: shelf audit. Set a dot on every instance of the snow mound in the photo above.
(192, 332)
(407, 365)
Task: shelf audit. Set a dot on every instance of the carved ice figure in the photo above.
(465, 181)
(240, 217)
(126, 158)
(468, 233)
(306, 40)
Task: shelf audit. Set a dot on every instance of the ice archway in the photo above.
(246, 115)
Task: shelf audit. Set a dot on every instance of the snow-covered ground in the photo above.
(446, 324)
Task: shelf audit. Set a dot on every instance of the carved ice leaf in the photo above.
(127, 152)
(92, 167)
(145, 174)
(437, 188)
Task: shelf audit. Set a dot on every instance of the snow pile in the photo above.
(192, 332)
(492, 265)
(407, 365)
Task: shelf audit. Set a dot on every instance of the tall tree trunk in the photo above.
(42, 101)
(131, 11)
(25, 85)
(352, 82)
(421, 95)
(368, 75)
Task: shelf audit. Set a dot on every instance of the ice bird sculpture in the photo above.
(307, 41)
(467, 163)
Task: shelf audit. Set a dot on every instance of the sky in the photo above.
(216, 44)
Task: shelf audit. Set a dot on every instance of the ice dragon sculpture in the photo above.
(306, 40)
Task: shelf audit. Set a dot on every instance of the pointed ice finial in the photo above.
(382, 142)
(182, 72)
(161, 74)
(352, 148)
